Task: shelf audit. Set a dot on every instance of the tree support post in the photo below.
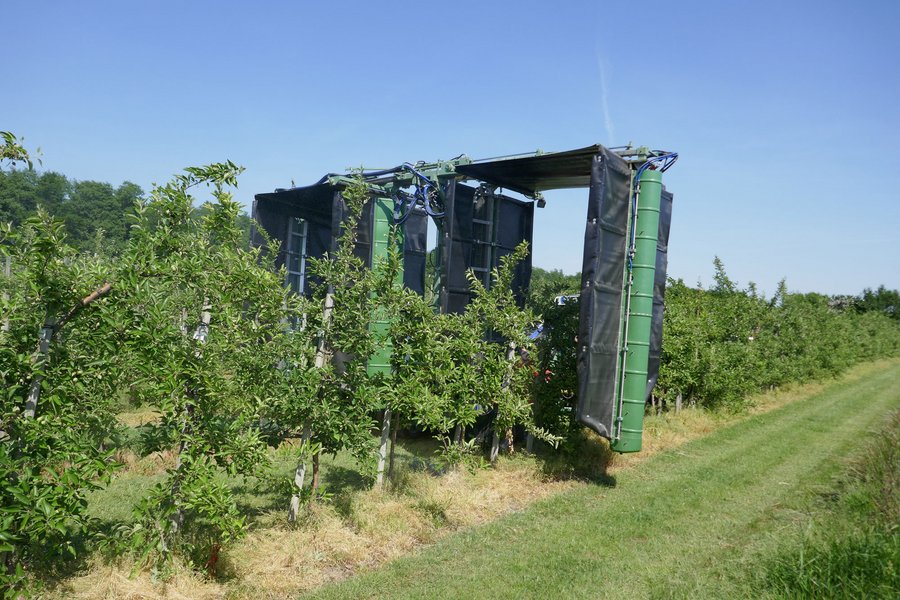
(320, 360)
(299, 476)
(394, 426)
(383, 448)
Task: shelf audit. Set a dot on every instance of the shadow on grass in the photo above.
(342, 480)
(52, 564)
(586, 458)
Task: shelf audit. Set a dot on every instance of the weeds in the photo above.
(850, 551)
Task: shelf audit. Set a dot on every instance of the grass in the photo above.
(684, 523)
(340, 476)
(851, 546)
(359, 529)
(654, 524)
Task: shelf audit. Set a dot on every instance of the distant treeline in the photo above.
(95, 212)
(547, 284)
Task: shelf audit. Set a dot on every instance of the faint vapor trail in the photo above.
(607, 121)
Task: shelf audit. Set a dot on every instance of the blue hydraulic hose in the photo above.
(422, 197)
(667, 161)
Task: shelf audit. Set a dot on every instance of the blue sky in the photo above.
(785, 113)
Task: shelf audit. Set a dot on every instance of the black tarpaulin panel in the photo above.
(415, 251)
(272, 222)
(457, 250)
(515, 221)
(323, 208)
(273, 211)
(530, 174)
(659, 289)
(313, 201)
(601, 289)
(363, 247)
(319, 239)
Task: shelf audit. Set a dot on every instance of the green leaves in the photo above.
(203, 324)
(722, 344)
(449, 369)
(13, 151)
(49, 461)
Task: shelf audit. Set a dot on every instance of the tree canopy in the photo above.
(94, 212)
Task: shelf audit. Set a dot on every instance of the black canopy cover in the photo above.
(530, 174)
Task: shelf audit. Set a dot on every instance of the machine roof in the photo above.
(530, 174)
(313, 199)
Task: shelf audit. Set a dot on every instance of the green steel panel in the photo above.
(383, 219)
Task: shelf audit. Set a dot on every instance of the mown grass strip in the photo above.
(850, 546)
(680, 524)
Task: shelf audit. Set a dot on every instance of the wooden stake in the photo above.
(394, 426)
(39, 360)
(322, 343)
(300, 469)
(299, 476)
(495, 446)
(382, 449)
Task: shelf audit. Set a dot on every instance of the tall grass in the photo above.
(851, 550)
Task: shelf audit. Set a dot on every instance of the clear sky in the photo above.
(785, 113)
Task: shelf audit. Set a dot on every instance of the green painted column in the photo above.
(383, 219)
(629, 423)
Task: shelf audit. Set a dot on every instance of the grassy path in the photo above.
(685, 523)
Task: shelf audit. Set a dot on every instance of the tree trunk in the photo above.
(495, 440)
(178, 517)
(200, 335)
(9, 562)
(300, 470)
(40, 359)
(383, 448)
(678, 401)
(495, 446)
(34, 393)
